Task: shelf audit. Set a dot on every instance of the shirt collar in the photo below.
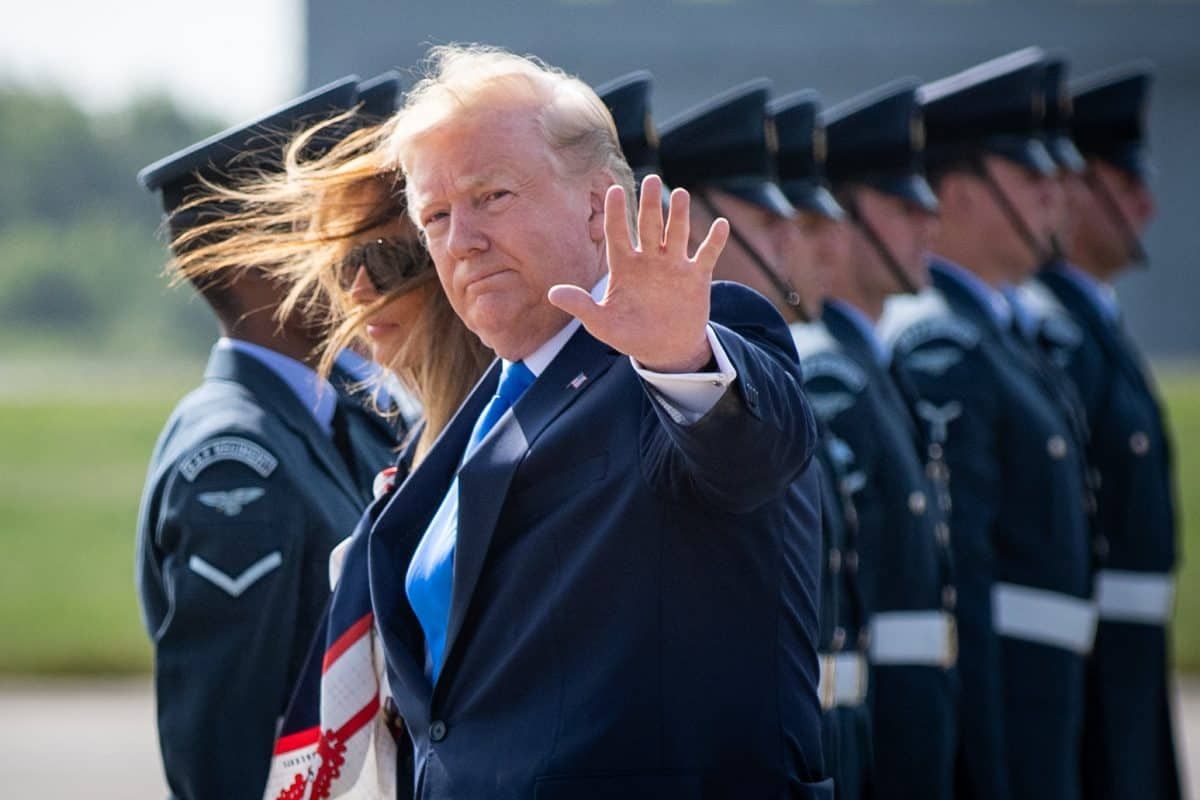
(539, 359)
(990, 298)
(866, 329)
(1101, 294)
(314, 393)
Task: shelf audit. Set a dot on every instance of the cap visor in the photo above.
(912, 188)
(1029, 153)
(812, 197)
(762, 193)
(1065, 154)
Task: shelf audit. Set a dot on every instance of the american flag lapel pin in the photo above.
(577, 381)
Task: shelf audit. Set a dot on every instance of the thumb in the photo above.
(573, 300)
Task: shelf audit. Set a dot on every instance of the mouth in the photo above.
(379, 330)
(481, 280)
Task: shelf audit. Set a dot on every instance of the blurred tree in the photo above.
(80, 261)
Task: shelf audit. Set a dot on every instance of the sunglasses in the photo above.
(388, 263)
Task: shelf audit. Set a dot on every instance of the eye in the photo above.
(433, 217)
(496, 194)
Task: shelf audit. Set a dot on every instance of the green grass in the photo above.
(73, 450)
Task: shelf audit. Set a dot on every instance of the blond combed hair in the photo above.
(462, 79)
(297, 226)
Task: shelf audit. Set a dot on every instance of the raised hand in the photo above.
(657, 302)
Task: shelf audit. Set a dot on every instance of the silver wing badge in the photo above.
(232, 502)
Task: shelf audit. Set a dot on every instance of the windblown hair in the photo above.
(297, 226)
(463, 79)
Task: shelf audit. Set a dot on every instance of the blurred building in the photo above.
(840, 47)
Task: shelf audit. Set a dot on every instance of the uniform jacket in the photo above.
(904, 556)
(1020, 540)
(634, 606)
(1130, 748)
(245, 497)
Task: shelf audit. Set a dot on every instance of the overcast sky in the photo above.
(229, 58)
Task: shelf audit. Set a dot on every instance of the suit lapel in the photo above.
(246, 370)
(485, 478)
(400, 526)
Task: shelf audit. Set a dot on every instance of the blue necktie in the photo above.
(430, 574)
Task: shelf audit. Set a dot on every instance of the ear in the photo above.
(597, 189)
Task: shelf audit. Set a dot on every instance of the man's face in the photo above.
(1098, 241)
(503, 225)
(777, 240)
(905, 229)
(1029, 193)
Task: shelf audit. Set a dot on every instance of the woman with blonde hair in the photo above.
(334, 228)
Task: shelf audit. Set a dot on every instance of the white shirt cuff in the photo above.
(688, 396)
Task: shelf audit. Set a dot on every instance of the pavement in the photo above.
(96, 739)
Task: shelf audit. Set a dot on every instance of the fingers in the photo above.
(710, 249)
(650, 218)
(616, 223)
(574, 300)
(679, 222)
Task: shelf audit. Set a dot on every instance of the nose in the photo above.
(363, 291)
(466, 236)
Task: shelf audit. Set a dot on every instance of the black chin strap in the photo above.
(1137, 253)
(882, 250)
(789, 295)
(1009, 210)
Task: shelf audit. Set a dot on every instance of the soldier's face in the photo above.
(1029, 193)
(905, 229)
(503, 224)
(1097, 240)
(778, 242)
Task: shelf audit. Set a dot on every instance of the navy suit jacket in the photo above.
(634, 605)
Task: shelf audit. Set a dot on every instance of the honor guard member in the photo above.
(799, 161)
(628, 100)
(251, 483)
(723, 152)
(1129, 748)
(1020, 540)
(874, 162)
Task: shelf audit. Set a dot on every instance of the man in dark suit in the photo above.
(601, 582)
(1129, 746)
(257, 475)
(1010, 438)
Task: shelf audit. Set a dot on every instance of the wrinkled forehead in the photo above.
(465, 149)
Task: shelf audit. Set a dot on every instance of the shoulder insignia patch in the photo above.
(232, 502)
(812, 338)
(228, 448)
(934, 361)
(828, 406)
(910, 321)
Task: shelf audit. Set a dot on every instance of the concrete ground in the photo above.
(96, 739)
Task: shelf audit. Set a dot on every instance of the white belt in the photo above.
(921, 638)
(844, 679)
(1145, 597)
(1044, 617)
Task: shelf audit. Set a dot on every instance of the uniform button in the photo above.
(935, 451)
(944, 502)
(851, 561)
(1100, 546)
(437, 731)
(916, 503)
(1090, 503)
(1056, 446)
(864, 639)
(835, 561)
(751, 396)
(949, 597)
(942, 532)
(1097, 479)
(838, 640)
(1139, 443)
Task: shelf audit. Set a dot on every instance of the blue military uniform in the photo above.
(257, 475)
(1129, 748)
(729, 143)
(1021, 540)
(900, 492)
(847, 678)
